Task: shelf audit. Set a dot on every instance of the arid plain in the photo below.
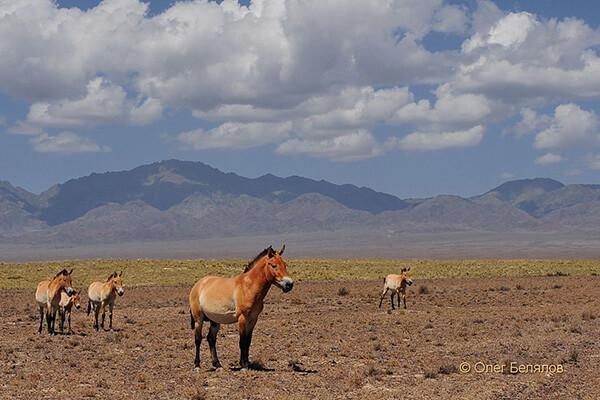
(326, 339)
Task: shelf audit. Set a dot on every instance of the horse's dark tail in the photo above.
(89, 306)
(192, 322)
(384, 281)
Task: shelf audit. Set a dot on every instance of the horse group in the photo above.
(58, 296)
(216, 300)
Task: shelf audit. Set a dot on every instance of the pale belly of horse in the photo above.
(222, 316)
(220, 313)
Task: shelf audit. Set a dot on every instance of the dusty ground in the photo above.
(316, 342)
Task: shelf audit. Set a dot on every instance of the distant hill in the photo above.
(168, 183)
(179, 200)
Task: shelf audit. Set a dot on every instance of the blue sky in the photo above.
(410, 98)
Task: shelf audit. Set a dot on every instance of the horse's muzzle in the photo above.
(78, 306)
(70, 291)
(286, 284)
(120, 292)
(409, 283)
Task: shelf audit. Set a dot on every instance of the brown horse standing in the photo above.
(102, 294)
(65, 307)
(236, 300)
(48, 295)
(397, 284)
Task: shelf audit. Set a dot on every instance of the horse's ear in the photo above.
(408, 269)
(403, 270)
(281, 250)
(120, 273)
(270, 252)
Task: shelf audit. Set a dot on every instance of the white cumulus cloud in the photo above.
(65, 142)
(103, 103)
(324, 73)
(593, 161)
(232, 135)
(548, 158)
(570, 127)
(421, 141)
(353, 146)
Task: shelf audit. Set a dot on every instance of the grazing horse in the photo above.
(65, 306)
(102, 294)
(48, 295)
(236, 300)
(397, 284)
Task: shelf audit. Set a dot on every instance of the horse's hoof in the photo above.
(197, 369)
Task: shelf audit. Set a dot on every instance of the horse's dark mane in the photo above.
(113, 275)
(63, 272)
(260, 255)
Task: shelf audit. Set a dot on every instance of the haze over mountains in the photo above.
(178, 200)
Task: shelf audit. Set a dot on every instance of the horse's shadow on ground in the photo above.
(297, 367)
(257, 366)
(254, 366)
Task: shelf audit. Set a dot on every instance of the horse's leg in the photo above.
(198, 339)
(96, 313)
(53, 320)
(70, 330)
(245, 328)
(382, 296)
(103, 313)
(110, 312)
(404, 298)
(49, 322)
(49, 319)
(398, 298)
(61, 315)
(212, 342)
(392, 297)
(41, 320)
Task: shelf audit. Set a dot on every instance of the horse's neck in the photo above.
(256, 284)
(107, 288)
(55, 288)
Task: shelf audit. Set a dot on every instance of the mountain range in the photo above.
(180, 200)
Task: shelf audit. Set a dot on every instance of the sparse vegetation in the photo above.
(588, 316)
(447, 369)
(143, 272)
(342, 291)
(557, 273)
(198, 394)
(354, 348)
(424, 289)
(573, 356)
